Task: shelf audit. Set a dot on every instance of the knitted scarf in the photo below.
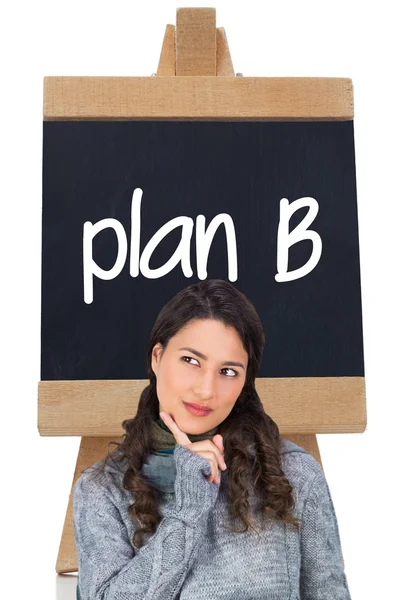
(165, 441)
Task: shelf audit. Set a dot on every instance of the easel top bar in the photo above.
(202, 98)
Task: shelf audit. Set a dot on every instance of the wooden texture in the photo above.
(198, 98)
(298, 405)
(224, 61)
(195, 44)
(166, 64)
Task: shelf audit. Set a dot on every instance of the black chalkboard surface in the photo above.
(125, 208)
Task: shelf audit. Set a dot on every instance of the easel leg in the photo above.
(308, 441)
(91, 450)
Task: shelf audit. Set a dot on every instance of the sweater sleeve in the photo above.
(322, 574)
(109, 568)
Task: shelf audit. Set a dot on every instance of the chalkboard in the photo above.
(111, 190)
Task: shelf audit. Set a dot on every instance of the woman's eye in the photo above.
(189, 357)
(232, 370)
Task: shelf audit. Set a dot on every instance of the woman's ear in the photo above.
(155, 357)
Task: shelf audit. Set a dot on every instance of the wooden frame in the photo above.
(198, 98)
(195, 80)
(310, 405)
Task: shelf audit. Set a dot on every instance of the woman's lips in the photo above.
(195, 409)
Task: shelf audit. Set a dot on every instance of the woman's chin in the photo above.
(193, 425)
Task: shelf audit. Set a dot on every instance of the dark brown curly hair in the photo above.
(246, 424)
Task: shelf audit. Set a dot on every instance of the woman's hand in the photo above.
(211, 450)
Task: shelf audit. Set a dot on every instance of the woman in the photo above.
(206, 502)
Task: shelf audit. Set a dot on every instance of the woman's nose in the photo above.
(205, 387)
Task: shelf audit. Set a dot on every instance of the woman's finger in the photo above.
(210, 456)
(206, 448)
(179, 435)
(212, 445)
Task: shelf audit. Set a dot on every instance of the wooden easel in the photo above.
(194, 80)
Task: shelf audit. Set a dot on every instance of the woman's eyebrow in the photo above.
(204, 357)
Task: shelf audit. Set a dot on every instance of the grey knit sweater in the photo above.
(191, 556)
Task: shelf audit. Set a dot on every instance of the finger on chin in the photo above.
(180, 436)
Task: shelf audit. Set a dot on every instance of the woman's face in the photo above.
(211, 373)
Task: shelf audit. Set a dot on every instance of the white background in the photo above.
(336, 39)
